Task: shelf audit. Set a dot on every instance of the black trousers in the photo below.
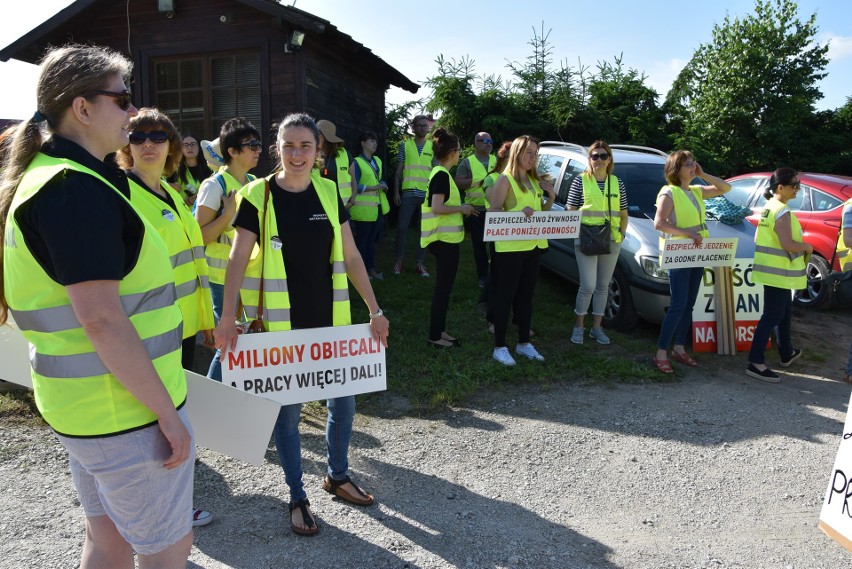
(475, 227)
(516, 278)
(187, 356)
(446, 267)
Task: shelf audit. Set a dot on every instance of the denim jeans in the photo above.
(366, 233)
(849, 361)
(683, 286)
(595, 275)
(338, 432)
(409, 205)
(217, 291)
(777, 304)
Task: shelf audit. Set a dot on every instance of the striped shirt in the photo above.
(400, 156)
(575, 193)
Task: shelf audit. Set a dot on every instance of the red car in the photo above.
(818, 207)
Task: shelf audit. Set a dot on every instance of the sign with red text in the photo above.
(297, 366)
(835, 519)
(712, 252)
(516, 226)
(748, 307)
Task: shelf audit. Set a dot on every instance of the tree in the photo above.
(746, 96)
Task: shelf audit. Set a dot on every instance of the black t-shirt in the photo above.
(439, 185)
(77, 228)
(329, 166)
(306, 237)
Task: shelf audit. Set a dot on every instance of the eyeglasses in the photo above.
(422, 125)
(156, 136)
(599, 156)
(190, 144)
(253, 145)
(486, 141)
(689, 164)
(795, 185)
(122, 98)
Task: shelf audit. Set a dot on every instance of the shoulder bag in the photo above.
(594, 239)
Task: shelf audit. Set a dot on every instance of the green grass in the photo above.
(433, 378)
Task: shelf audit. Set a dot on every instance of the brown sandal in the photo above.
(333, 487)
(684, 359)
(307, 519)
(663, 366)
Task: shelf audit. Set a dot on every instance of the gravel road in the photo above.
(716, 470)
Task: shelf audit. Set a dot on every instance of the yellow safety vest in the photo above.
(522, 199)
(417, 167)
(448, 227)
(218, 251)
(475, 194)
(595, 208)
(182, 236)
(773, 265)
(844, 254)
(276, 298)
(367, 203)
(344, 180)
(189, 187)
(74, 391)
(684, 214)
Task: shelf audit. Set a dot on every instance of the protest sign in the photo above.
(297, 366)
(227, 421)
(835, 519)
(684, 253)
(516, 226)
(747, 300)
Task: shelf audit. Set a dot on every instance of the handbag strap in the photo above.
(262, 244)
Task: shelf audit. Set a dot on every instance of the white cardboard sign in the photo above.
(297, 366)
(835, 519)
(516, 226)
(684, 253)
(227, 421)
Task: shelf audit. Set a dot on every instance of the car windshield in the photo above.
(643, 183)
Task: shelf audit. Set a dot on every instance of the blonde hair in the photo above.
(516, 152)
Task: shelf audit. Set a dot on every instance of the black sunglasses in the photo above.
(486, 141)
(252, 144)
(795, 185)
(601, 156)
(156, 136)
(122, 98)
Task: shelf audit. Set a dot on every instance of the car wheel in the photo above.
(620, 314)
(816, 292)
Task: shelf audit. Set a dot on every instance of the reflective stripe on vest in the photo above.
(773, 265)
(475, 194)
(182, 235)
(276, 297)
(366, 207)
(74, 391)
(595, 208)
(684, 214)
(344, 180)
(843, 255)
(522, 200)
(417, 166)
(219, 250)
(449, 227)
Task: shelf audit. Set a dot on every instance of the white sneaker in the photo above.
(503, 356)
(599, 336)
(577, 335)
(528, 351)
(201, 517)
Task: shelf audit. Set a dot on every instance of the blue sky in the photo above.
(656, 37)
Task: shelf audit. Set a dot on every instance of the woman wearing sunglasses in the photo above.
(780, 258)
(600, 196)
(191, 171)
(680, 215)
(216, 207)
(89, 283)
(305, 263)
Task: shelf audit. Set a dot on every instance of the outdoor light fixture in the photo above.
(166, 7)
(294, 41)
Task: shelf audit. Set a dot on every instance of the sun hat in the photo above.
(212, 153)
(329, 131)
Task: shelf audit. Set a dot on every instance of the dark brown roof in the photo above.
(30, 47)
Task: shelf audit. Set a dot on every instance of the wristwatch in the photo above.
(376, 314)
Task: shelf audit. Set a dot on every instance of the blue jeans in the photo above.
(409, 204)
(849, 361)
(683, 286)
(777, 304)
(366, 233)
(217, 291)
(338, 432)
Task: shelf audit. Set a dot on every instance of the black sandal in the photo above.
(333, 487)
(307, 519)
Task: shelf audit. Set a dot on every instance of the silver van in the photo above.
(639, 289)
